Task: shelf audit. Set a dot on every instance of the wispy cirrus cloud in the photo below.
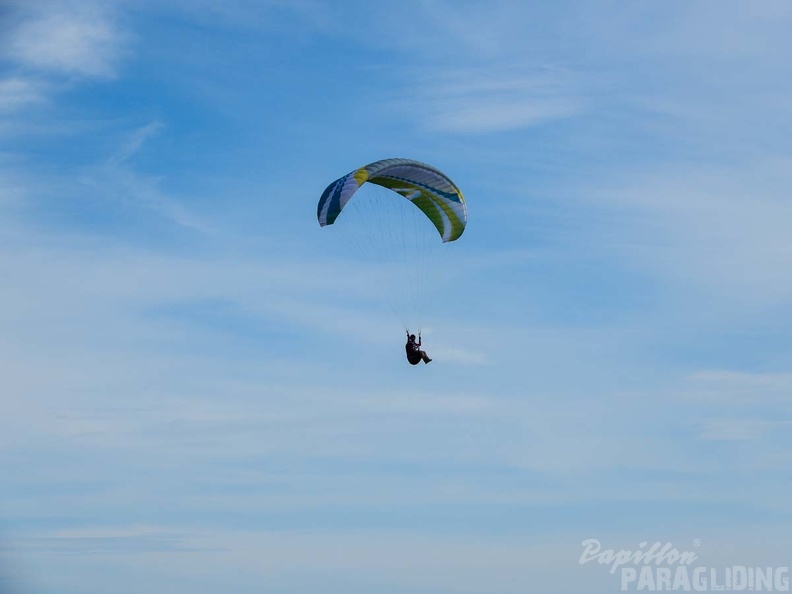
(737, 405)
(105, 541)
(738, 388)
(718, 429)
(481, 101)
(119, 180)
(134, 142)
(713, 227)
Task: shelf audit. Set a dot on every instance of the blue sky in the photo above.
(200, 393)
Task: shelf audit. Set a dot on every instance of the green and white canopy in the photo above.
(426, 187)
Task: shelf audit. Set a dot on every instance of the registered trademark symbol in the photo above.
(697, 543)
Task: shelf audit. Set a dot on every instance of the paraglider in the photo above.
(414, 353)
(435, 197)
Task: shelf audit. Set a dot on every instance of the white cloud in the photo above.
(17, 92)
(72, 39)
(49, 41)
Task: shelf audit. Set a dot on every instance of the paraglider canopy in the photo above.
(426, 187)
